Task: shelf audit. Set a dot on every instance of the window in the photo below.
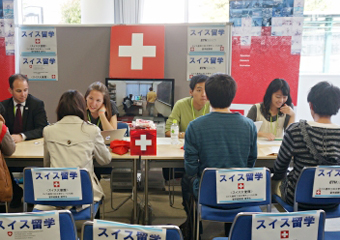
(49, 12)
(321, 37)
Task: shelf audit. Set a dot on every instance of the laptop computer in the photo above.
(111, 135)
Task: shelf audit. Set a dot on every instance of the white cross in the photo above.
(143, 142)
(284, 234)
(137, 51)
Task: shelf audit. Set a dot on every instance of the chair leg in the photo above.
(6, 206)
(197, 221)
(171, 192)
(102, 212)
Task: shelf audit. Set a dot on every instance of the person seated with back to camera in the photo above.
(276, 110)
(186, 110)
(220, 139)
(73, 142)
(324, 102)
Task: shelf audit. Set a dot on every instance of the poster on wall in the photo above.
(137, 52)
(8, 26)
(205, 64)
(207, 38)
(266, 44)
(207, 47)
(38, 53)
(6, 46)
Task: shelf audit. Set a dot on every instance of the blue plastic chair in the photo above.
(68, 229)
(121, 125)
(172, 232)
(304, 193)
(242, 226)
(87, 196)
(209, 209)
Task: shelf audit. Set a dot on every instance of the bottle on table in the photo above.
(174, 130)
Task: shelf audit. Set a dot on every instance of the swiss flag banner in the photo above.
(143, 142)
(137, 52)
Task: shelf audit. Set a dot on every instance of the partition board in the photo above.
(83, 57)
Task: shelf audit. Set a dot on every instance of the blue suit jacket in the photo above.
(33, 120)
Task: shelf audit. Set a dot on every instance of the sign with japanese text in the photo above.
(326, 182)
(206, 64)
(38, 53)
(207, 38)
(39, 68)
(278, 226)
(114, 230)
(37, 40)
(137, 52)
(240, 185)
(20, 226)
(57, 184)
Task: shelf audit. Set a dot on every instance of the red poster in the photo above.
(7, 69)
(137, 52)
(255, 66)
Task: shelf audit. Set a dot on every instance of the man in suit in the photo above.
(29, 122)
(25, 118)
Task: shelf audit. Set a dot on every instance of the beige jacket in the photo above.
(71, 142)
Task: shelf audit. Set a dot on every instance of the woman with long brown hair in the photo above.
(101, 111)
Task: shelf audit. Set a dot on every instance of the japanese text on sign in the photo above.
(326, 182)
(240, 185)
(120, 231)
(300, 225)
(56, 184)
(207, 65)
(30, 226)
(207, 39)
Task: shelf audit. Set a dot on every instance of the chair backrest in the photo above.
(304, 189)
(68, 230)
(172, 232)
(121, 125)
(242, 225)
(207, 191)
(86, 187)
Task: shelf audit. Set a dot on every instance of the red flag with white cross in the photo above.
(143, 142)
(137, 52)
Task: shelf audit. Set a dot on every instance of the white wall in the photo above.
(305, 84)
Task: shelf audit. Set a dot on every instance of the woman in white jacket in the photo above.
(73, 142)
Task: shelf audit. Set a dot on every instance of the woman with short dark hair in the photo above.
(324, 102)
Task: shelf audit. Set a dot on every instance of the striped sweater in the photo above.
(326, 139)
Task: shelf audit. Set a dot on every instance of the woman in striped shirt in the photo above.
(324, 101)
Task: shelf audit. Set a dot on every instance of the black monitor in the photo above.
(134, 98)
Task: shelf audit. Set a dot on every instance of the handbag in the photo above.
(6, 191)
(310, 145)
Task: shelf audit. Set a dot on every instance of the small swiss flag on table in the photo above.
(143, 142)
(137, 52)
